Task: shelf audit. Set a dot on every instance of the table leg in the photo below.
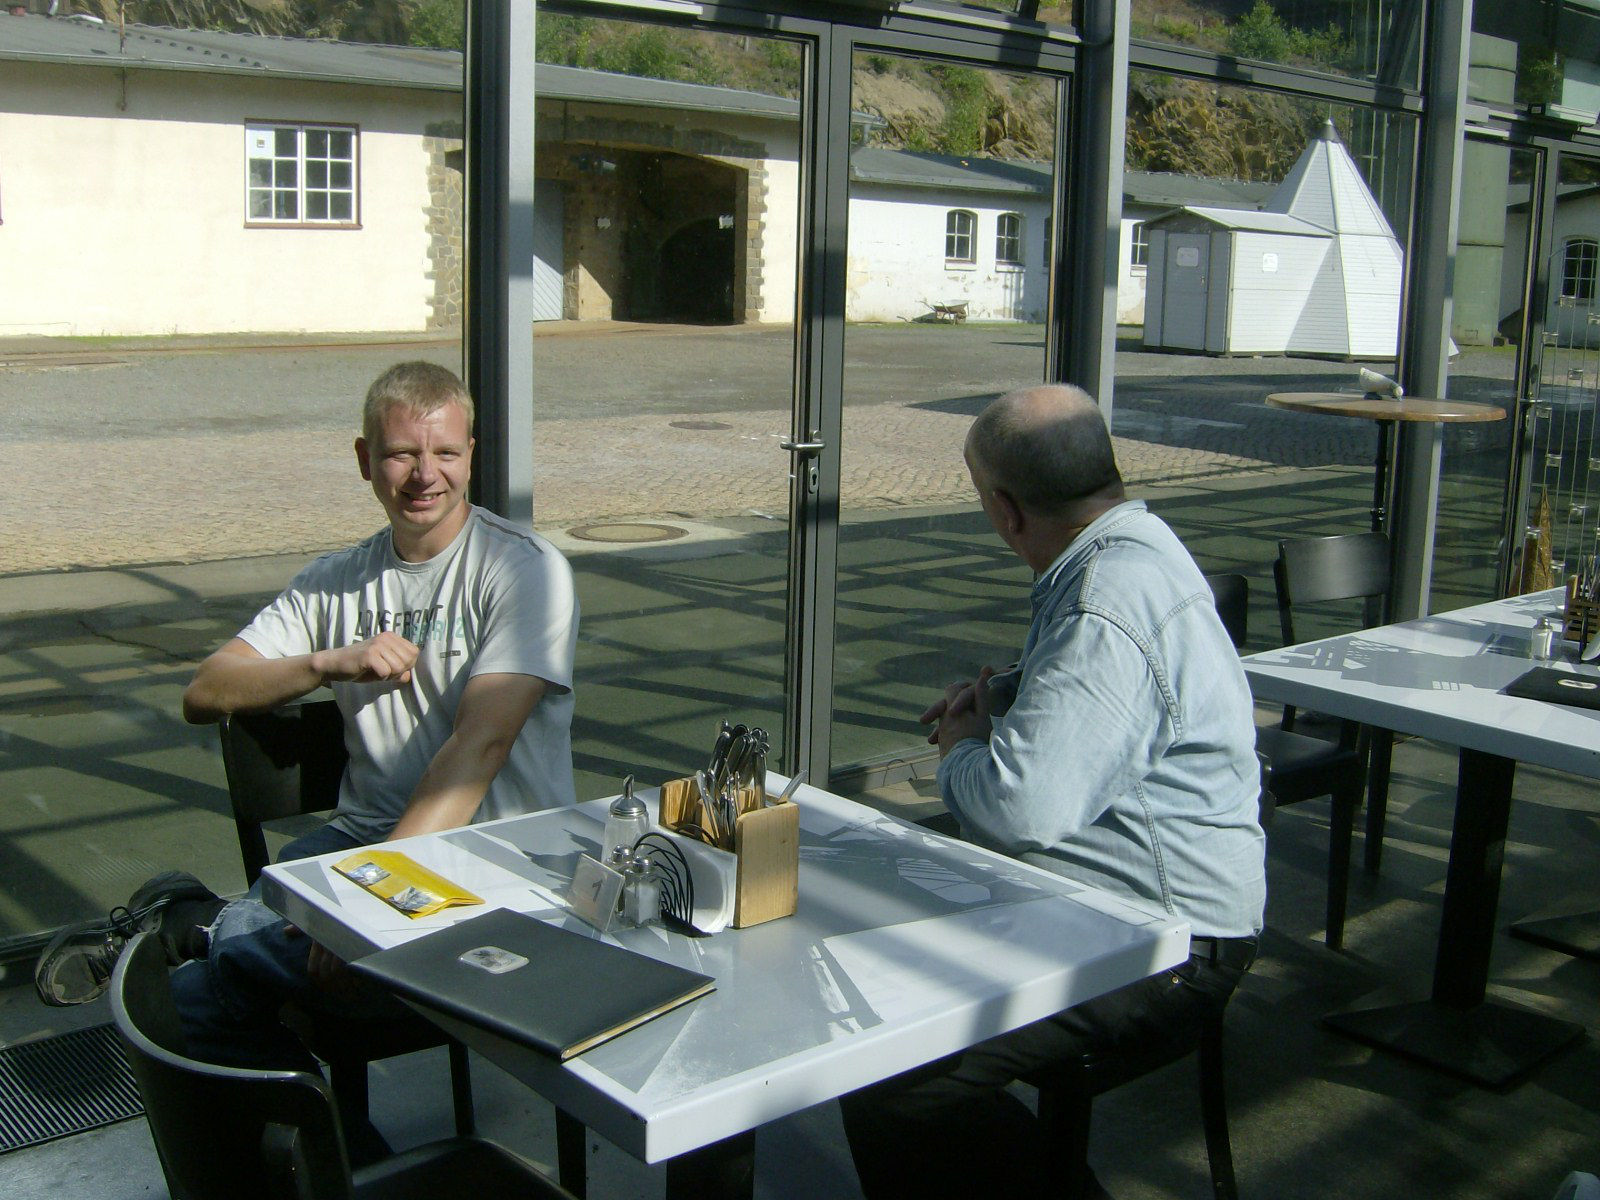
(724, 1170)
(1457, 1029)
(1380, 476)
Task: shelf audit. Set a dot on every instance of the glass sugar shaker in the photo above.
(1545, 639)
(626, 823)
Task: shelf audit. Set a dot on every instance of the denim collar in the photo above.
(1080, 546)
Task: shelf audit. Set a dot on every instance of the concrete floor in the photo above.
(1313, 1115)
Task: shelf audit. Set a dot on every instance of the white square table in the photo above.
(907, 946)
(1440, 678)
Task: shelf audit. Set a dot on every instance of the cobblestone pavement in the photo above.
(194, 451)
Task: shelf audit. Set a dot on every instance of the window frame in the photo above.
(1580, 263)
(1138, 248)
(952, 237)
(301, 130)
(1016, 239)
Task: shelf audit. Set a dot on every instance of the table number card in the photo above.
(595, 891)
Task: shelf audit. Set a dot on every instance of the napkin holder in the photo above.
(1580, 616)
(766, 847)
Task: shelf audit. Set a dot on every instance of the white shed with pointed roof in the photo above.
(1318, 271)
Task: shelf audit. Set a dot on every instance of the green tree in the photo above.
(439, 23)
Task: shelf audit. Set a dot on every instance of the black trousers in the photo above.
(951, 1129)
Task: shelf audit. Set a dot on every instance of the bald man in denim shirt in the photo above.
(1119, 751)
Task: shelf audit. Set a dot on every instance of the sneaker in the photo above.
(76, 966)
(190, 908)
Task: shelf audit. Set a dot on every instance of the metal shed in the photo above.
(1317, 272)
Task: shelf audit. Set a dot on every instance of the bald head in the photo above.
(1049, 449)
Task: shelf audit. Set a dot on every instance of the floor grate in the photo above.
(65, 1084)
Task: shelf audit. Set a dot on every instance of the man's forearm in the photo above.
(450, 790)
(230, 682)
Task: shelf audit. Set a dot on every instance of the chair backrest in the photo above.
(1232, 594)
(1315, 570)
(280, 764)
(221, 1131)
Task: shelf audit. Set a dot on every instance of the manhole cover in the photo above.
(627, 531)
(699, 424)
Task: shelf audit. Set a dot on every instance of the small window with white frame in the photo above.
(300, 174)
(960, 236)
(1138, 246)
(1008, 240)
(1578, 269)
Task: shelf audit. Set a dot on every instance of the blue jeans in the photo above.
(228, 1001)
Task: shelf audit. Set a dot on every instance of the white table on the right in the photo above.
(1440, 678)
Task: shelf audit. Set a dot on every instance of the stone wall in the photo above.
(446, 217)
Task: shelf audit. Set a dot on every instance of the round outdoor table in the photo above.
(1385, 411)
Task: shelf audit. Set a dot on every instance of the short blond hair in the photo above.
(419, 388)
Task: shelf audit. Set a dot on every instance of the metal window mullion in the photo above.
(1428, 308)
(1197, 64)
(814, 538)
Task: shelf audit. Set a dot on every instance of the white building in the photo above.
(1318, 272)
(196, 182)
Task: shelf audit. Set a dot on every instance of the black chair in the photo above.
(285, 763)
(1304, 768)
(1067, 1091)
(1347, 567)
(225, 1133)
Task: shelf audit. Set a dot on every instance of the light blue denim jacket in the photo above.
(1123, 744)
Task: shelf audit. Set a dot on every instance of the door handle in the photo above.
(808, 452)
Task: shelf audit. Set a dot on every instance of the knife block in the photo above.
(766, 845)
(1580, 617)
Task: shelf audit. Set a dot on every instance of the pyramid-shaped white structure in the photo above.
(1364, 272)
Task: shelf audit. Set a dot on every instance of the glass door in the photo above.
(1496, 333)
(669, 215)
(1555, 518)
(952, 179)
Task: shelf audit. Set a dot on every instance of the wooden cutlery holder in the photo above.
(1581, 617)
(766, 846)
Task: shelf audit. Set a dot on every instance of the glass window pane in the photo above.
(1363, 41)
(1275, 258)
(316, 174)
(116, 787)
(341, 143)
(1542, 53)
(1489, 323)
(653, 217)
(316, 206)
(316, 143)
(340, 175)
(930, 336)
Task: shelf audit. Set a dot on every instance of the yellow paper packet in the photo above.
(402, 883)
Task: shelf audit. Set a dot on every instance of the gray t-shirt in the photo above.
(498, 599)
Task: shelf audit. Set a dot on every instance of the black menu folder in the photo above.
(534, 983)
(1557, 687)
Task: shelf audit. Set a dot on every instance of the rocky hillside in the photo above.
(1173, 125)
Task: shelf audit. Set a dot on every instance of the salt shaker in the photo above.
(626, 823)
(641, 893)
(1545, 639)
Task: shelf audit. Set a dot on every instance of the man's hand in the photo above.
(385, 658)
(325, 968)
(963, 713)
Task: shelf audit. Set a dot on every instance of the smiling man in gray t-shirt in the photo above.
(447, 640)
